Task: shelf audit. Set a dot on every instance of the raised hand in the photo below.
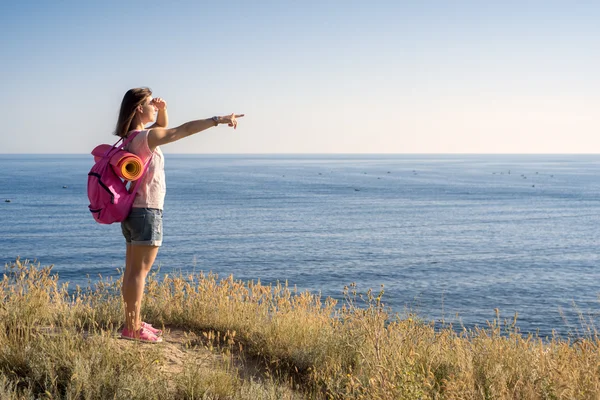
(159, 103)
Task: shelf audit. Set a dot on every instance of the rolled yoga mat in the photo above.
(127, 165)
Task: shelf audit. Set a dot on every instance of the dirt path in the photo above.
(179, 345)
(176, 347)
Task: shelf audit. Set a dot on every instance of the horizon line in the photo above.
(319, 154)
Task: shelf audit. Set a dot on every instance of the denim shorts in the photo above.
(143, 227)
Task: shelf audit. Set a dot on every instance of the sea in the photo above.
(453, 239)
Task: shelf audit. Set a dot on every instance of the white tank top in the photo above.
(151, 193)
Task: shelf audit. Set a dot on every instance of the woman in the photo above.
(143, 227)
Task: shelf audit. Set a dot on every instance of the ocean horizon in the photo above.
(450, 236)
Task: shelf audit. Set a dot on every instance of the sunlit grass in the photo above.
(267, 341)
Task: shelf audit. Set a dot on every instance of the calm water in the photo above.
(450, 237)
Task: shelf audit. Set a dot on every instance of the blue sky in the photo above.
(311, 77)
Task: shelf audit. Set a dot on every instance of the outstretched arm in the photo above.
(162, 136)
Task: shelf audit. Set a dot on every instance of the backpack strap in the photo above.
(125, 141)
(129, 138)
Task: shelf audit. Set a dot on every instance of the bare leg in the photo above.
(125, 287)
(138, 261)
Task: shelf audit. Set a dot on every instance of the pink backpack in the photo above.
(110, 201)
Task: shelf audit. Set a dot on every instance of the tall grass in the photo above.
(272, 341)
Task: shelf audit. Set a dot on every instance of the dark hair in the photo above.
(132, 99)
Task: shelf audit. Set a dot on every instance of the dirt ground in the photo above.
(178, 345)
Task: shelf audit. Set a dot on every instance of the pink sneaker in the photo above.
(142, 335)
(152, 329)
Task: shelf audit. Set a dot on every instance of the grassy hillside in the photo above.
(230, 339)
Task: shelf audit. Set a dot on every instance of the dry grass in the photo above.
(249, 341)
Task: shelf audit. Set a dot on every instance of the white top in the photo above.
(152, 190)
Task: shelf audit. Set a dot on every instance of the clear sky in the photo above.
(312, 77)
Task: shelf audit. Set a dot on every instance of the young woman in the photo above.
(143, 227)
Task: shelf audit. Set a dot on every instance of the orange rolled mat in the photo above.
(127, 165)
